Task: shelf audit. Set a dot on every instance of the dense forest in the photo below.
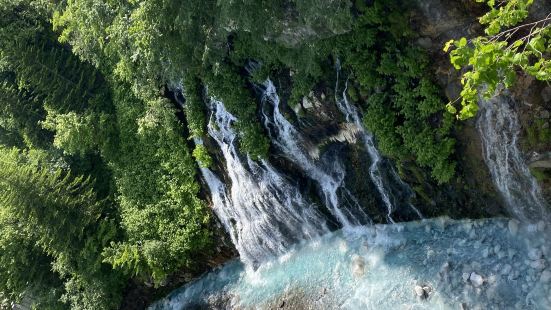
(99, 183)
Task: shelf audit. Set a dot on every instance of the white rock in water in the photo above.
(535, 254)
(343, 246)
(524, 288)
(492, 279)
(545, 276)
(419, 291)
(506, 269)
(513, 227)
(538, 264)
(358, 266)
(511, 253)
(427, 290)
(485, 252)
(476, 279)
(465, 277)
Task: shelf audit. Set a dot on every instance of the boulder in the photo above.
(545, 276)
(358, 266)
(513, 227)
(476, 279)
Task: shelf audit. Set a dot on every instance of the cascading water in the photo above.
(499, 128)
(432, 264)
(328, 174)
(262, 211)
(391, 188)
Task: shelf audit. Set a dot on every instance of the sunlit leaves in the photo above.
(489, 63)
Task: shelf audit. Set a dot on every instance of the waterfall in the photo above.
(329, 174)
(389, 185)
(263, 212)
(499, 129)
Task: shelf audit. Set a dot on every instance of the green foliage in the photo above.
(226, 84)
(137, 40)
(20, 113)
(538, 134)
(151, 172)
(166, 225)
(195, 107)
(78, 133)
(88, 103)
(202, 156)
(493, 61)
(32, 197)
(403, 108)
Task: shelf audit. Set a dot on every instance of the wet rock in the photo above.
(425, 42)
(545, 276)
(358, 266)
(307, 104)
(501, 254)
(538, 264)
(513, 227)
(422, 292)
(535, 254)
(546, 94)
(506, 269)
(419, 291)
(465, 277)
(427, 290)
(476, 279)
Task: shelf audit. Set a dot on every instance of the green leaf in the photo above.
(517, 43)
(448, 45)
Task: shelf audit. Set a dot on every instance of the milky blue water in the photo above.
(482, 264)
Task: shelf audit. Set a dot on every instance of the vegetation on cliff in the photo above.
(98, 178)
(492, 61)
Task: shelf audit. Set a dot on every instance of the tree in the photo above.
(58, 220)
(493, 60)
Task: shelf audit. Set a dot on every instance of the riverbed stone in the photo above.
(419, 291)
(476, 279)
(513, 227)
(545, 276)
(535, 254)
(358, 266)
(465, 277)
(538, 264)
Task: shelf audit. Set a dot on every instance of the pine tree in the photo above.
(58, 219)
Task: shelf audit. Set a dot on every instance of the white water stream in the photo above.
(388, 183)
(328, 175)
(432, 264)
(263, 212)
(499, 129)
